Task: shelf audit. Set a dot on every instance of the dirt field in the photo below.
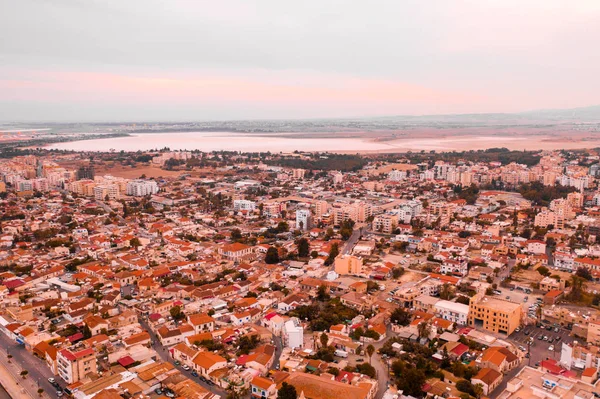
(133, 173)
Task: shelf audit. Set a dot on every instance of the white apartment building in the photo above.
(303, 219)
(457, 313)
(141, 188)
(244, 205)
(293, 333)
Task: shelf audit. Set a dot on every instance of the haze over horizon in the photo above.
(197, 60)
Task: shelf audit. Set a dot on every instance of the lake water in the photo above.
(207, 141)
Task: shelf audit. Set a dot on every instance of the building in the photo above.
(455, 312)
(536, 383)
(348, 264)
(493, 314)
(263, 388)
(244, 205)
(141, 188)
(303, 219)
(488, 378)
(385, 223)
(75, 366)
(293, 333)
(235, 252)
(85, 173)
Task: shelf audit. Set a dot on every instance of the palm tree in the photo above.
(40, 391)
(24, 373)
(370, 351)
(577, 287)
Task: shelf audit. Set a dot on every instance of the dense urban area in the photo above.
(300, 275)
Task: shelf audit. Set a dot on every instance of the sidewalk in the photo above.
(15, 385)
(15, 391)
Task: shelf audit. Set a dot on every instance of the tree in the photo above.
(446, 292)
(24, 373)
(323, 293)
(397, 272)
(370, 350)
(411, 381)
(584, 273)
(87, 333)
(333, 253)
(176, 313)
(272, 256)
(303, 247)
(478, 390)
(236, 235)
(324, 340)
(543, 270)
(423, 329)
(135, 242)
(577, 287)
(40, 391)
(346, 229)
(287, 391)
(400, 316)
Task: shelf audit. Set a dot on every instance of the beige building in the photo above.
(348, 264)
(493, 314)
(75, 366)
(385, 223)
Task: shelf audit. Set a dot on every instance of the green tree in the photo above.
(303, 247)
(324, 340)
(400, 316)
(323, 293)
(333, 253)
(272, 256)
(87, 333)
(287, 391)
(135, 242)
(176, 313)
(236, 235)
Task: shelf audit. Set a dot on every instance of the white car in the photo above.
(551, 348)
(51, 380)
(186, 367)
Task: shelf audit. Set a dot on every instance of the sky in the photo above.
(172, 60)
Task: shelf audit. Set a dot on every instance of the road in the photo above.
(278, 349)
(38, 371)
(353, 239)
(163, 353)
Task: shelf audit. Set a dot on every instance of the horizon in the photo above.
(205, 61)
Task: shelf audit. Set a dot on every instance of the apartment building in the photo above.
(348, 264)
(493, 314)
(385, 223)
(75, 366)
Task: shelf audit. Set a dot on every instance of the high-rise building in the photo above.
(85, 173)
(303, 219)
(140, 188)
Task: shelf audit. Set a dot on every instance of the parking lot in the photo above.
(540, 347)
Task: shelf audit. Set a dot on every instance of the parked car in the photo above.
(51, 380)
(186, 367)
(551, 348)
(527, 355)
(194, 374)
(59, 394)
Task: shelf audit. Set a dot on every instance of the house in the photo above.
(498, 358)
(236, 252)
(201, 322)
(488, 378)
(206, 362)
(183, 353)
(263, 388)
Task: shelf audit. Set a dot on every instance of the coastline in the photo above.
(342, 143)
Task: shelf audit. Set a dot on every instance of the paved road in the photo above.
(163, 353)
(38, 371)
(278, 349)
(353, 239)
